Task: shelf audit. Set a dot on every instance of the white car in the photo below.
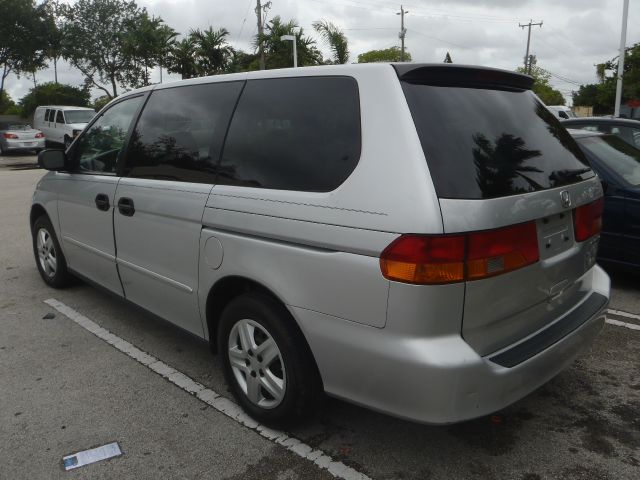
(562, 111)
(61, 124)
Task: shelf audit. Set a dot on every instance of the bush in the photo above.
(53, 94)
(7, 105)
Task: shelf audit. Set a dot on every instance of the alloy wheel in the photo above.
(256, 363)
(46, 252)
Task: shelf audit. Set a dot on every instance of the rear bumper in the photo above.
(441, 379)
(10, 145)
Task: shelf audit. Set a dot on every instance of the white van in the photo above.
(562, 111)
(61, 124)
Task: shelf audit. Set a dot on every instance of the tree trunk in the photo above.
(34, 79)
(55, 68)
(113, 85)
(4, 75)
(160, 73)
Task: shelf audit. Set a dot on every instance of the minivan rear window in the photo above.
(487, 143)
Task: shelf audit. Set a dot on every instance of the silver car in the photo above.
(16, 136)
(417, 239)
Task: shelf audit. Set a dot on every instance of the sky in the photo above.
(575, 35)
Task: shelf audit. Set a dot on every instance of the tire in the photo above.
(67, 142)
(279, 391)
(1, 150)
(49, 257)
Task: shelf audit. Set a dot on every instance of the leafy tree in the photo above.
(97, 42)
(542, 87)
(6, 103)
(279, 54)
(20, 38)
(392, 54)
(335, 39)
(52, 93)
(100, 102)
(147, 42)
(243, 62)
(213, 53)
(182, 58)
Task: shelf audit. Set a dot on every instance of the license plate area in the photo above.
(555, 234)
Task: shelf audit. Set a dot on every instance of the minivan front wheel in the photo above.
(49, 258)
(266, 363)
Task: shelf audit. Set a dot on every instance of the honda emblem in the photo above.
(565, 199)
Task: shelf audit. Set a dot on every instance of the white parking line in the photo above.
(210, 397)
(620, 313)
(632, 326)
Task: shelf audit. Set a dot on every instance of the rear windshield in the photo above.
(15, 126)
(79, 116)
(617, 155)
(485, 143)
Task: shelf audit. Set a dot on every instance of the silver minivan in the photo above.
(417, 239)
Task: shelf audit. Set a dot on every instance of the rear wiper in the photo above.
(568, 175)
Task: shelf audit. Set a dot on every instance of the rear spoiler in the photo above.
(446, 75)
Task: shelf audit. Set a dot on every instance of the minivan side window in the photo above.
(59, 117)
(180, 133)
(47, 115)
(99, 148)
(298, 133)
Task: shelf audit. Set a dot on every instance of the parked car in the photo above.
(61, 124)
(561, 111)
(16, 136)
(618, 165)
(417, 239)
(626, 129)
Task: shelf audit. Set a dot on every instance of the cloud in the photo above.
(574, 36)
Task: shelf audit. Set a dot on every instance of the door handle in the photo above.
(102, 202)
(125, 206)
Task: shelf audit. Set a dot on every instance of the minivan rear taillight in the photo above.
(587, 220)
(438, 259)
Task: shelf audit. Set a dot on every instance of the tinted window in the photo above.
(616, 155)
(47, 115)
(484, 143)
(180, 132)
(99, 148)
(59, 117)
(294, 134)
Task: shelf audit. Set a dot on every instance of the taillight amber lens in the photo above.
(587, 220)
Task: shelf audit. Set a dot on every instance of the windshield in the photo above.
(488, 143)
(79, 116)
(617, 155)
(18, 126)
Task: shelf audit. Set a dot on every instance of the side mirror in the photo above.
(52, 160)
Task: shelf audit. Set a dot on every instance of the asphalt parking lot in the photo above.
(63, 389)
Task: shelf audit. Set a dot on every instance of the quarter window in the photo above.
(59, 117)
(293, 134)
(99, 148)
(180, 132)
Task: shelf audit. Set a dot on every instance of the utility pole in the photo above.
(623, 41)
(403, 31)
(527, 64)
(259, 12)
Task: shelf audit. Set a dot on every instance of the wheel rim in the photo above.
(67, 143)
(256, 363)
(46, 252)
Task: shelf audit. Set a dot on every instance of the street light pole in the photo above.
(623, 41)
(295, 50)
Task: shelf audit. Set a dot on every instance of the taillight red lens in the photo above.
(502, 250)
(39, 135)
(10, 135)
(424, 259)
(587, 220)
(437, 259)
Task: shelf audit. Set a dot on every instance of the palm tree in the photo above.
(182, 58)
(335, 39)
(278, 53)
(213, 53)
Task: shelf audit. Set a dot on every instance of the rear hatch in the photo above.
(513, 183)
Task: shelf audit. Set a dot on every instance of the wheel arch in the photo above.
(37, 210)
(228, 288)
